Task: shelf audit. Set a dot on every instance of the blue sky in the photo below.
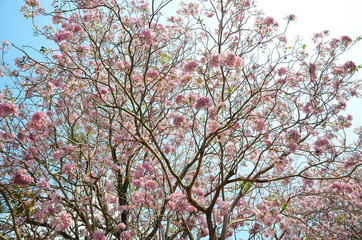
(15, 29)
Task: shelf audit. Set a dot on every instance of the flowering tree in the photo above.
(201, 124)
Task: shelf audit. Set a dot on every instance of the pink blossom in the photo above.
(282, 71)
(230, 60)
(57, 56)
(203, 232)
(147, 166)
(61, 36)
(337, 186)
(292, 147)
(37, 116)
(57, 18)
(123, 208)
(223, 207)
(191, 98)
(122, 226)
(7, 109)
(318, 35)
(312, 71)
(179, 98)
(167, 149)
(213, 126)
(63, 221)
(14, 73)
(190, 66)
(308, 108)
(151, 184)
(57, 154)
(235, 126)
(178, 120)
(209, 14)
(125, 235)
(99, 235)
(68, 167)
(335, 43)
(293, 136)
(283, 39)
(199, 192)
(2, 74)
(140, 171)
(214, 61)
(337, 71)
(21, 178)
(189, 9)
(346, 40)
(191, 209)
(138, 183)
(104, 91)
(146, 34)
(292, 17)
(350, 67)
(246, 3)
(259, 125)
(270, 21)
(43, 184)
(321, 142)
(37, 121)
(202, 103)
(255, 228)
(32, 3)
(317, 110)
(152, 74)
(213, 113)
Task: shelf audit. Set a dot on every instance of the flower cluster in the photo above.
(229, 60)
(147, 36)
(99, 235)
(152, 74)
(31, 8)
(178, 202)
(63, 221)
(8, 109)
(282, 71)
(190, 66)
(259, 125)
(178, 120)
(43, 184)
(346, 40)
(38, 121)
(202, 102)
(61, 36)
(349, 67)
(21, 178)
(179, 98)
(291, 17)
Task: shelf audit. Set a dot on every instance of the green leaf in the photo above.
(284, 206)
(31, 207)
(247, 186)
(165, 58)
(359, 38)
(19, 209)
